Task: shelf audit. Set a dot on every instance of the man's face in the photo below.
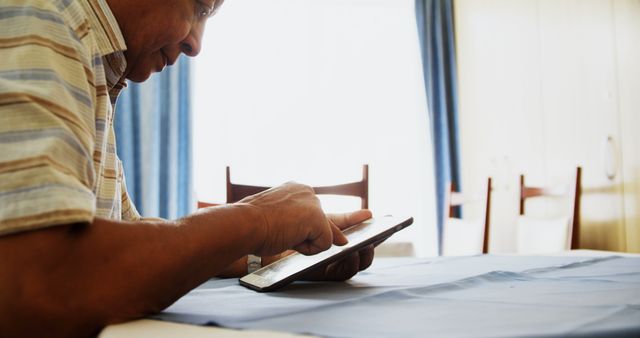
(157, 31)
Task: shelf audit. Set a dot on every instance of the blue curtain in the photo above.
(437, 42)
(153, 134)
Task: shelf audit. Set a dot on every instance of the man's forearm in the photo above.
(73, 280)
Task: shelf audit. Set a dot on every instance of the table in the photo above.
(586, 294)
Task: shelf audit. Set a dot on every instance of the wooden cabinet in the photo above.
(545, 86)
(627, 33)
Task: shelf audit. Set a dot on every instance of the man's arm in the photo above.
(73, 280)
(70, 281)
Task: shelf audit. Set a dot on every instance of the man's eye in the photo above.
(204, 11)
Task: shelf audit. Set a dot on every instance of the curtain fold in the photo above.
(437, 43)
(153, 133)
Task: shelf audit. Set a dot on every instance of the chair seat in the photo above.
(543, 236)
(466, 236)
(463, 237)
(550, 235)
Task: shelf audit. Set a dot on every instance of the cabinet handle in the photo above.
(610, 158)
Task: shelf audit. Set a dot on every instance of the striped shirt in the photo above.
(61, 67)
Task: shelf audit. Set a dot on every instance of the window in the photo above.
(310, 90)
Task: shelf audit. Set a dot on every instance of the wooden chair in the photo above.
(572, 191)
(236, 192)
(463, 236)
(360, 189)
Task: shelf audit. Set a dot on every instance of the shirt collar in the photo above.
(109, 40)
(107, 32)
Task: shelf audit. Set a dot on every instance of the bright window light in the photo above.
(309, 91)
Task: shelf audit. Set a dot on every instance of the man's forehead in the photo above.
(217, 4)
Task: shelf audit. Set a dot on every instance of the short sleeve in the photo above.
(47, 128)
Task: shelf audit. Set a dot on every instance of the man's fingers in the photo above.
(346, 268)
(366, 257)
(307, 249)
(344, 221)
(338, 237)
(318, 242)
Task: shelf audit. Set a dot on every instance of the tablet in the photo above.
(293, 267)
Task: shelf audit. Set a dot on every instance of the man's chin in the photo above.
(138, 77)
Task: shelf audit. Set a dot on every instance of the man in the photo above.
(74, 253)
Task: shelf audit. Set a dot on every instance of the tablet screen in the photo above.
(288, 268)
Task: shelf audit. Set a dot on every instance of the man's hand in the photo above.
(293, 219)
(347, 267)
(352, 264)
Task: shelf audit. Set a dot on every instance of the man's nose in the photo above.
(191, 45)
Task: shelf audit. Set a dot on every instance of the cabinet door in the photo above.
(540, 93)
(627, 26)
(580, 107)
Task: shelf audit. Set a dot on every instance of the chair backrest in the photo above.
(236, 192)
(572, 191)
(462, 236)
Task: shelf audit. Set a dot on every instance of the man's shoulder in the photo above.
(68, 12)
(61, 22)
(51, 6)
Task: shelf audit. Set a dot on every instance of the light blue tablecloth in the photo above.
(479, 296)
